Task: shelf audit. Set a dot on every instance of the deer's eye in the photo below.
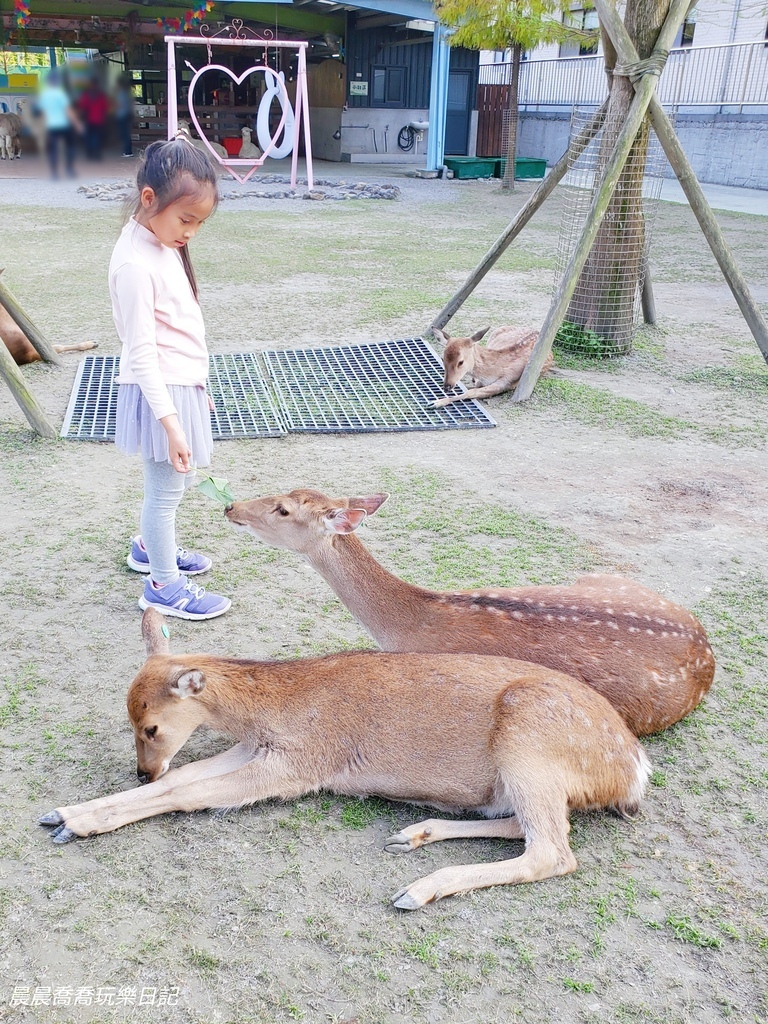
(460, 362)
(151, 732)
(282, 510)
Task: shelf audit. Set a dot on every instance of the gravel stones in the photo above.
(323, 189)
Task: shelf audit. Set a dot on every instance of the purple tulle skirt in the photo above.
(137, 432)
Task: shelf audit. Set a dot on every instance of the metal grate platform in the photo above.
(384, 386)
(243, 405)
(90, 415)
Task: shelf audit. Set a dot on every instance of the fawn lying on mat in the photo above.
(495, 367)
(514, 742)
(649, 657)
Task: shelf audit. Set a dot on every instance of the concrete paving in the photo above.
(30, 173)
(721, 197)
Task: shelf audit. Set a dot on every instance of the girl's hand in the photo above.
(179, 452)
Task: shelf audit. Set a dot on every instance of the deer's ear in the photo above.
(155, 632)
(442, 336)
(370, 504)
(344, 520)
(188, 684)
(479, 334)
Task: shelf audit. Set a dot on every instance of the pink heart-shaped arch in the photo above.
(238, 80)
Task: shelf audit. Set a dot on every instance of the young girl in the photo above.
(162, 406)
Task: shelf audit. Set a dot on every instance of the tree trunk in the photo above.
(604, 299)
(508, 181)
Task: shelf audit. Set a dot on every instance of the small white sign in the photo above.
(358, 88)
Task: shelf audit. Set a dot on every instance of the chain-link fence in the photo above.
(606, 305)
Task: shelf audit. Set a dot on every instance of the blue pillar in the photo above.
(438, 98)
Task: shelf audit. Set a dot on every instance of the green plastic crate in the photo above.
(525, 167)
(471, 166)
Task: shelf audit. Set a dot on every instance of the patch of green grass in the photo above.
(596, 407)
(16, 694)
(578, 986)
(747, 381)
(423, 947)
(204, 961)
(734, 617)
(465, 542)
(684, 930)
(359, 814)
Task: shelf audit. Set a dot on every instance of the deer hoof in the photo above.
(51, 818)
(404, 900)
(401, 843)
(63, 835)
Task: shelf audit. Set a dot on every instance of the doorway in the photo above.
(458, 112)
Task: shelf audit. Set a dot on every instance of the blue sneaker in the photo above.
(183, 599)
(189, 562)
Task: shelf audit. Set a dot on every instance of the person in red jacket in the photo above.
(94, 108)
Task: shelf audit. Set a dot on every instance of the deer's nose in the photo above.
(142, 777)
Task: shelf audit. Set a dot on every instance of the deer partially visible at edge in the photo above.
(495, 367)
(649, 657)
(22, 349)
(516, 743)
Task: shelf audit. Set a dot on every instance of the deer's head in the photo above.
(301, 520)
(162, 701)
(458, 355)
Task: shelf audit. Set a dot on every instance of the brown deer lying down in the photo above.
(514, 742)
(21, 348)
(649, 657)
(495, 368)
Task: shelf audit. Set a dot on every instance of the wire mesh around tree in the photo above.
(507, 169)
(606, 306)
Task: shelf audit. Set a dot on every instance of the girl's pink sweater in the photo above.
(157, 317)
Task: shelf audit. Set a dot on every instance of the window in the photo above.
(585, 22)
(685, 35)
(388, 86)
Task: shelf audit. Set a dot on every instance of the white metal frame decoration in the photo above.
(235, 34)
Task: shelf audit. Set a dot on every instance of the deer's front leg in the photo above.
(236, 777)
(488, 391)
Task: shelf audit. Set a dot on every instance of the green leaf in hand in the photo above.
(215, 487)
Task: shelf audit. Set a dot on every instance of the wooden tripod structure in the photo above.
(13, 376)
(644, 76)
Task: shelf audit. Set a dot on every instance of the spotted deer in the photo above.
(495, 368)
(518, 744)
(648, 657)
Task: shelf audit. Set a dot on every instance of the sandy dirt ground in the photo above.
(653, 467)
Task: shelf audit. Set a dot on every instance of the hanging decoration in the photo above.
(21, 11)
(192, 18)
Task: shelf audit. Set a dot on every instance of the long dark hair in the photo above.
(175, 170)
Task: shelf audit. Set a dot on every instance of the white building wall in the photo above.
(717, 22)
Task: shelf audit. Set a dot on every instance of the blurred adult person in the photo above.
(61, 122)
(94, 108)
(123, 106)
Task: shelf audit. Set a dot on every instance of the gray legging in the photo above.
(163, 490)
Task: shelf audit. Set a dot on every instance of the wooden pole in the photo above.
(14, 378)
(17, 314)
(625, 48)
(644, 91)
(513, 229)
